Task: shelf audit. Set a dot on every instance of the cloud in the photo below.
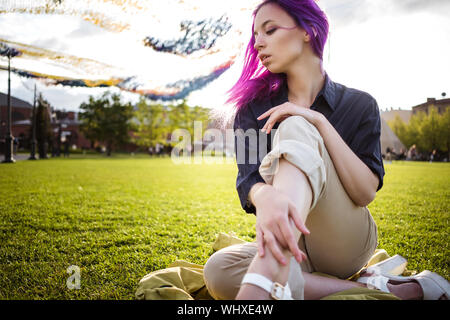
(85, 29)
(389, 57)
(440, 7)
(347, 12)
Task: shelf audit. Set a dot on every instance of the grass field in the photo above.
(119, 219)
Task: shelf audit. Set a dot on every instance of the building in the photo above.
(440, 105)
(388, 139)
(66, 124)
(390, 115)
(63, 123)
(21, 112)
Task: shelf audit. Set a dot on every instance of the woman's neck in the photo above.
(305, 81)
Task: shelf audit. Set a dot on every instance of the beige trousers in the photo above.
(343, 235)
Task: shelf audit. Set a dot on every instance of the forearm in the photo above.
(358, 180)
(253, 190)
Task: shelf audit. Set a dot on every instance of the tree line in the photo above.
(427, 131)
(110, 121)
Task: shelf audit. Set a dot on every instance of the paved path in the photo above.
(17, 157)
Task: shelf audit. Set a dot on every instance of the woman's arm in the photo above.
(358, 180)
(254, 188)
(356, 177)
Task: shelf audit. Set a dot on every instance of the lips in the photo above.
(263, 57)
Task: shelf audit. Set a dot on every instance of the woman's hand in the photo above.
(287, 109)
(276, 218)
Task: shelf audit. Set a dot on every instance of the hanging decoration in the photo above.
(8, 51)
(177, 90)
(55, 80)
(66, 61)
(103, 43)
(198, 35)
(174, 91)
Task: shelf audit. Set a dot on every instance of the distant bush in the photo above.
(427, 131)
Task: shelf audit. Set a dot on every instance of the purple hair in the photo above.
(256, 82)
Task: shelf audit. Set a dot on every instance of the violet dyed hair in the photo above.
(256, 82)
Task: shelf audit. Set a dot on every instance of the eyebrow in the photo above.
(264, 23)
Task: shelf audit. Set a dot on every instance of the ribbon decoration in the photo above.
(8, 51)
(200, 35)
(55, 80)
(177, 90)
(85, 65)
(198, 38)
(174, 91)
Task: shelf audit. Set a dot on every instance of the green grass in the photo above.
(119, 219)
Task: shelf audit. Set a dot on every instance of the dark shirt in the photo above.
(353, 113)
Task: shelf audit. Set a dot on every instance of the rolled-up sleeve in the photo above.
(246, 142)
(366, 143)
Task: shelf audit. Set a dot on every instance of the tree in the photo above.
(43, 127)
(152, 124)
(182, 117)
(427, 131)
(444, 132)
(156, 123)
(401, 130)
(106, 120)
(429, 138)
(414, 131)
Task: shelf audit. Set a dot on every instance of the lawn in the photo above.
(119, 219)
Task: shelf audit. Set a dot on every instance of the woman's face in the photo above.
(277, 35)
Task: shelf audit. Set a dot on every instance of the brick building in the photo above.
(21, 114)
(441, 105)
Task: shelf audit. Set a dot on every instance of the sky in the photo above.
(395, 50)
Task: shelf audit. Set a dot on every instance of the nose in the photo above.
(259, 43)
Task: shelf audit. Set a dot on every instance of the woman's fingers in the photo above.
(272, 243)
(291, 242)
(272, 120)
(277, 116)
(295, 215)
(292, 225)
(260, 241)
(267, 113)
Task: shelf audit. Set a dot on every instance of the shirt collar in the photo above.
(328, 91)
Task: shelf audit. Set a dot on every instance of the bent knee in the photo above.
(224, 270)
(216, 278)
(299, 128)
(296, 121)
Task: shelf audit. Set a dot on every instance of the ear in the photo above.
(308, 37)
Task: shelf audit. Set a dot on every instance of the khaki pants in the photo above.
(343, 235)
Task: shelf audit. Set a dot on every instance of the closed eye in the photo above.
(269, 32)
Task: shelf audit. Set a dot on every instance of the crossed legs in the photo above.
(292, 182)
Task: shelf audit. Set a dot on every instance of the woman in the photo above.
(310, 192)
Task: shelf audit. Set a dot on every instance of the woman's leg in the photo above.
(225, 269)
(343, 236)
(293, 182)
(290, 180)
(342, 239)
